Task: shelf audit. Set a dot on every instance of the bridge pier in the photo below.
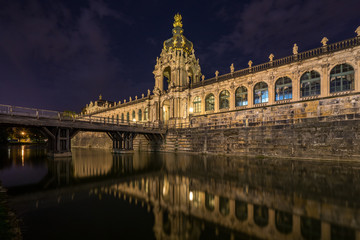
(122, 142)
(59, 140)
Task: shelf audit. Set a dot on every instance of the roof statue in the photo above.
(178, 40)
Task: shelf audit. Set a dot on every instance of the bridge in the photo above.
(61, 127)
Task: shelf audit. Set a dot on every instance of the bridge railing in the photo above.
(65, 116)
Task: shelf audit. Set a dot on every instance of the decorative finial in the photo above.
(148, 92)
(216, 73)
(177, 22)
(232, 69)
(295, 49)
(130, 99)
(250, 63)
(100, 97)
(358, 31)
(142, 95)
(135, 97)
(324, 41)
(271, 57)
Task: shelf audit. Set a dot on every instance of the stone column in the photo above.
(271, 89)
(250, 96)
(324, 81)
(325, 231)
(296, 229)
(250, 208)
(296, 87)
(357, 75)
(232, 99)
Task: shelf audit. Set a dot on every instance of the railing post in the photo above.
(59, 116)
(11, 111)
(37, 113)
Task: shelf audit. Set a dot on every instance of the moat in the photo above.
(99, 195)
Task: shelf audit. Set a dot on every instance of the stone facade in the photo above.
(321, 83)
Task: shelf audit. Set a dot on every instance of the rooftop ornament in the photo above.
(232, 69)
(100, 97)
(203, 77)
(324, 41)
(358, 31)
(295, 49)
(271, 57)
(216, 73)
(250, 63)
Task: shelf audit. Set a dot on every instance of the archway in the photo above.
(165, 111)
(166, 78)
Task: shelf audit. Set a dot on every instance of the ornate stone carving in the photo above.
(357, 31)
(295, 49)
(324, 41)
(271, 57)
(232, 69)
(148, 92)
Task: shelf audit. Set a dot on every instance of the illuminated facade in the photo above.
(181, 91)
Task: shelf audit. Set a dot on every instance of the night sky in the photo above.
(62, 54)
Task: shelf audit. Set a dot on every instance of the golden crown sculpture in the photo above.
(177, 22)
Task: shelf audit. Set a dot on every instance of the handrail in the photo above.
(334, 47)
(64, 116)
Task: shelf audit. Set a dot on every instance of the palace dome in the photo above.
(178, 41)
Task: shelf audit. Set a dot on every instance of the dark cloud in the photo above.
(47, 47)
(264, 26)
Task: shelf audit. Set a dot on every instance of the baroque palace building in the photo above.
(321, 84)
(181, 90)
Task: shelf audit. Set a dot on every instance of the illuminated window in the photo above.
(209, 201)
(261, 93)
(341, 78)
(197, 104)
(146, 114)
(310, 84)
(241, 97)
(224, 99)
(210, 102)
(283, 89)
(139, 115)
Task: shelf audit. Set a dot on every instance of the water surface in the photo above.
(97, 194)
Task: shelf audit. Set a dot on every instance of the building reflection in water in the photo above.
(215, 197)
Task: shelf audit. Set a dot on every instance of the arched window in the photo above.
(283, 221)
(241, 97)
(224, 99)
(146, 114)
(261, 93)
(283, 89)
(241, 210)
(210, 102)
(341, 78)
(310, 228)
(139, 115)
(209, 201)
(122, 117)
(261, 215)
(310, 84)
(197, 104)
(224, 206)
(128, 116)
(133, 115)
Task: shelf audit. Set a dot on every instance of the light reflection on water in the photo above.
(181, 196)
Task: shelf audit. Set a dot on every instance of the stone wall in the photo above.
(92, 140)
(318, 128)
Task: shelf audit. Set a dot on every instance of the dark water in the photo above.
(99, 195)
